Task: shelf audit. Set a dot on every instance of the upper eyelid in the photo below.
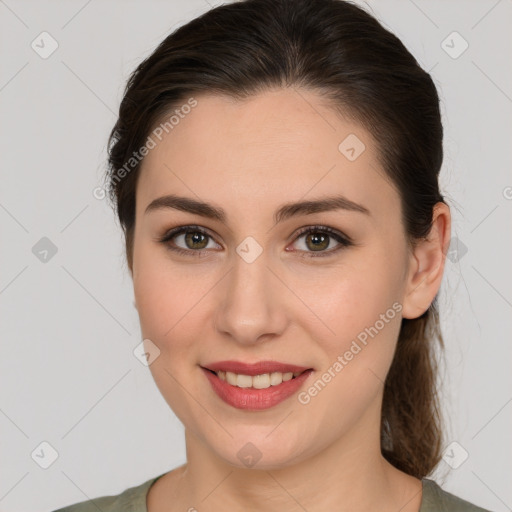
(179, 230)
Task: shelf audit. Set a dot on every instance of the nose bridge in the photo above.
(249, 304)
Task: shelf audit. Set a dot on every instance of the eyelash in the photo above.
(344, 241)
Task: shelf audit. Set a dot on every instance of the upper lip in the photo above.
(252, 369)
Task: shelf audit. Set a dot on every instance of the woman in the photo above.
(275, 170)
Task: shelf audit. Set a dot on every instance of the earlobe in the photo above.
(426, 265)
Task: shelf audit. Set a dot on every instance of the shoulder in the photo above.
(132, 499)
(436, 499)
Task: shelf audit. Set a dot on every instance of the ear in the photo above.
(426, 264)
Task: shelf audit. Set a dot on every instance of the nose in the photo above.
(251, 302)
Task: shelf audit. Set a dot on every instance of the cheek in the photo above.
(360, 310)
(365, 320)
(353, 296)
(158, 290)
(165, 304)
(173, 306)
(153, 304)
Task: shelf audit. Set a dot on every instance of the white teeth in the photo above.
(243, 381)
(258, 381)
(276, 378)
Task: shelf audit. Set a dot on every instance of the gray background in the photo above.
(68, 374)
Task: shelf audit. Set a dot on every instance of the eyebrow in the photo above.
(189, 205)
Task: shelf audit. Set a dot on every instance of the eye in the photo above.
(317, 239)
(194, 239)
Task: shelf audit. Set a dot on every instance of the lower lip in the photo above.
(255, 399)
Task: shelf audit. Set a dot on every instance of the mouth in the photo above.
(261, 381)
(259, 391)
(261, 375)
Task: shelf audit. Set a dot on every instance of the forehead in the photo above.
(274, 147)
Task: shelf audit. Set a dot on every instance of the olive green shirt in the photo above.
(434, 499)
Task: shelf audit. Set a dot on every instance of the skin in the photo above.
(249, 158)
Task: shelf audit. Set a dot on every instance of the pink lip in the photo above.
(252, 369)
(255, 399)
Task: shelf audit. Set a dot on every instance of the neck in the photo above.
(349, 475)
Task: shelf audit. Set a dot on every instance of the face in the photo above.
(251, 287)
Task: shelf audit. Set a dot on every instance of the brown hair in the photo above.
(338, 49)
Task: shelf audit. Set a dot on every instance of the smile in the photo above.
(258, 391)
(262, 381)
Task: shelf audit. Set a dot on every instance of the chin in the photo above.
(259, 450)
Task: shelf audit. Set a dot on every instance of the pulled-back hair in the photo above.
(339, 50)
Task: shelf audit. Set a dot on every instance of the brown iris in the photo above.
(315, 238)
